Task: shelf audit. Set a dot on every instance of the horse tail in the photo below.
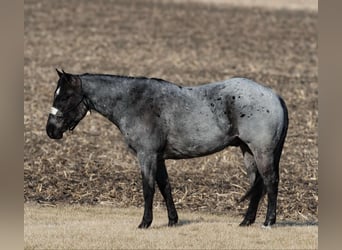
(280, 144)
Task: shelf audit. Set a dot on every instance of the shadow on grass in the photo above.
(296, 223)
(187, 222)
(280, 224)
(180, 223)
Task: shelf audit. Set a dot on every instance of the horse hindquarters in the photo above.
(268, 167)
(262, 137)
(265, 168)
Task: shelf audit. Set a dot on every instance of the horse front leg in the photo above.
(165, 189)
(148, 165)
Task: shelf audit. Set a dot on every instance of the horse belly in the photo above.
(195, 134)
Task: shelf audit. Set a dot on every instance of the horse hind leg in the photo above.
(266, 158)
(268, 167)
(256, 190)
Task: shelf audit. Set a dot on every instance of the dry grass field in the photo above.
(104, 227)
(186, 43)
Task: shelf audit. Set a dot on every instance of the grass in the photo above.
(104, 227)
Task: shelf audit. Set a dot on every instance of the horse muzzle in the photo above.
(53, 131)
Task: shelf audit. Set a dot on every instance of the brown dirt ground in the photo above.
(188, 44)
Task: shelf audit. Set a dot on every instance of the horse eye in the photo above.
(64, 98)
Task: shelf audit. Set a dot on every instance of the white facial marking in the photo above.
(57, 91)
(53, 111)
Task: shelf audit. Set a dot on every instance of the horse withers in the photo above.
(161, 120)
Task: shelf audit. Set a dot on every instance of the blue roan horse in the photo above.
(160, 120)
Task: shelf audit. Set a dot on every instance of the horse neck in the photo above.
(105, 94)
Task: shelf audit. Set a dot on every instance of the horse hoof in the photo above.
(172, 223)
(144, 225)
(268, 227)
(268, 223)
(246, 223)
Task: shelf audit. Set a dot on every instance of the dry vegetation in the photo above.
(103, 227)
(188, 44)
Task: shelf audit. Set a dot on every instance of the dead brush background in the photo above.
(186, 43)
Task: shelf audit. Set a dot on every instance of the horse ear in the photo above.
(60, 74)
(73, 80)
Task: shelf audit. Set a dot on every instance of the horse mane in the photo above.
(127, 77)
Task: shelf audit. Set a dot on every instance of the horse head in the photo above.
(69, 105)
